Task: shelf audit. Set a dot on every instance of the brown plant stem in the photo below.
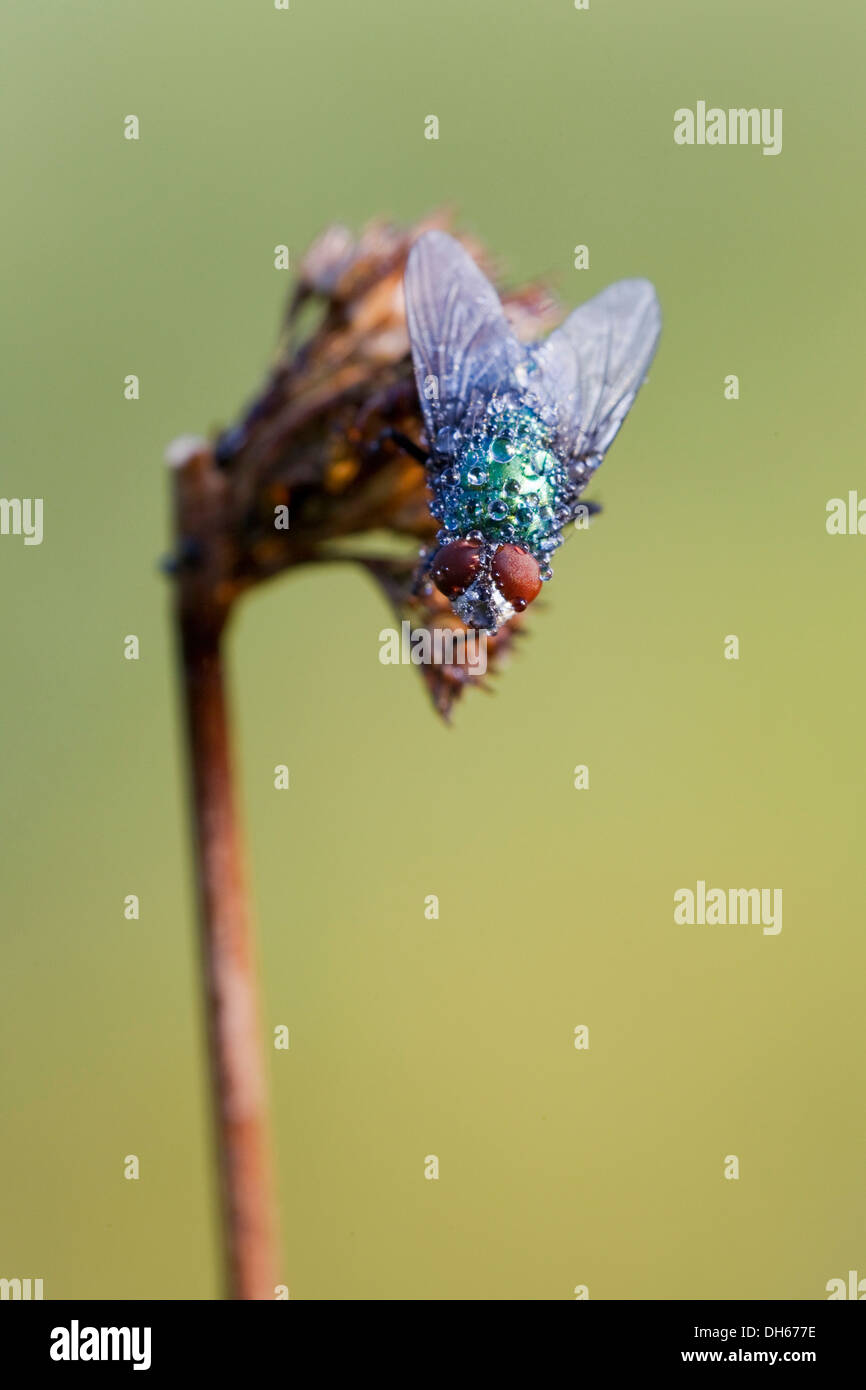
(237, 1069)
(227, 948)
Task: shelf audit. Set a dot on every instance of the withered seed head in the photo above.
(313, 447)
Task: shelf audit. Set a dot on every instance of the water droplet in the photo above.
(476, 476)
(444, 441)
(546, 573)
(512, 486)
(501, 449)
(498, 509)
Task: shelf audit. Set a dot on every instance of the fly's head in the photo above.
(486, 583)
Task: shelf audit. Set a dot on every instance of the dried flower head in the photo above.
(313, 461)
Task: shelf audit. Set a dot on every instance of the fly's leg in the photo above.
(421, 580)
(580, 473)
(403, 442)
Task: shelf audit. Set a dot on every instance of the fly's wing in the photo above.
(463, 350)
(592, 367)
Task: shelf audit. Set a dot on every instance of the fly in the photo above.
(515, 432)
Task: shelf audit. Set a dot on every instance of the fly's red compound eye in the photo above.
(517, 575)
(455, 566)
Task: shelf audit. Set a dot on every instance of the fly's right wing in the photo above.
(592, 367)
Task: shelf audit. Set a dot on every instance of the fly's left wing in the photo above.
(463, 350)
(591, 368)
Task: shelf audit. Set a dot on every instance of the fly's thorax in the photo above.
(503, 483)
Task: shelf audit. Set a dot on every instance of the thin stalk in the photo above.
(228, 956)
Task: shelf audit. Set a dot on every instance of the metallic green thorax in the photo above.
(504, 483)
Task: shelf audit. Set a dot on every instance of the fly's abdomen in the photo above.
(504, 483)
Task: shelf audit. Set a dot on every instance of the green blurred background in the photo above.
(455, 1037)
